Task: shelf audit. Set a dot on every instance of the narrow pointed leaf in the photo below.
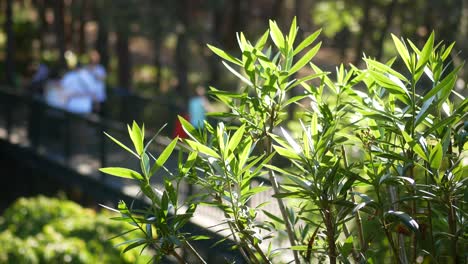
(276, 35)
(435, 158)
(224, 55)
(163, 157)
(307, 41)
(405, 219)
(236, 138)
(202, 148)
(402, 50)
(137, 137)
(122, 172)
(304, 59)
(262, 41)
(236, 73)
(122, 145)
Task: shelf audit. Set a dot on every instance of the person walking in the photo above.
(198, 106)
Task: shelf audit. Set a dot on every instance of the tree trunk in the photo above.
(124, 60)
(102, 41)
(157, 60)
(182, 52)
(297, 10)
(43, 26)
(10, 45)
(365, 26)
(59, 20)
(216, 36)
(81, 33)
(236, 23)
(278, 7)
(463, 37)
(383, 33)
(449, 28)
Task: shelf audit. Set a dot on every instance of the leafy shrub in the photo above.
(376, 171)
(50, 230)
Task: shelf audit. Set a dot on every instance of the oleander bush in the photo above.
(51, 230)
(377, 164)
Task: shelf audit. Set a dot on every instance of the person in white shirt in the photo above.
(77, 85)
(97, 82)
(54, 94)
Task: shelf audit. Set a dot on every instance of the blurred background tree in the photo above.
(154, 47)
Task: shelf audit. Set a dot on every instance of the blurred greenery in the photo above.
(52, 230)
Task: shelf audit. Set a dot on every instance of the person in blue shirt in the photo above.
(197, 107)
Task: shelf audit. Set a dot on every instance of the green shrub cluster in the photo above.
(377, 168)
(51, 230)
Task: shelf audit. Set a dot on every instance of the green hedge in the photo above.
(51, 230)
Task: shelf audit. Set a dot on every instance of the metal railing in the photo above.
(78, 142)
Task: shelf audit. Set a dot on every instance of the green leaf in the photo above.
(404, 218)
(299, 248)
(292, 143)
(385, 69)
(224, 55)
(273, 217)
(122, 145)
(138, 243)
(391, 84)
(286, 153)
(307, 41)
(145, 164)
(415, 146)
(122, 172)
(244, 155)
(163, 157)
(396, 179)
(307, 78)
(304, 59)
(435, 157)
(403, 51)
(192, 157)
(199, 237)
(347, 247)
(202, 149)
(188, 128)
(154, 137)
(425, 53)
(236, 138)
(254, 190)
(136, 134)
(447, 51)
(446, 84)
(236, 73)
(277, 36)
(261, 42)
(292, 33)
(294, 99)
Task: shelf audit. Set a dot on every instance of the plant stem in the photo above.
(241, 249)
(259, 250)
(330, 233)
(401, 239)
(178, 257)
(358, 215)
(194, 252)
(392, 244)
(353, 248)
(381, 215)
(429, 212)
(275, 185)
(411, 157)
(284, 214)
(452, 222)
